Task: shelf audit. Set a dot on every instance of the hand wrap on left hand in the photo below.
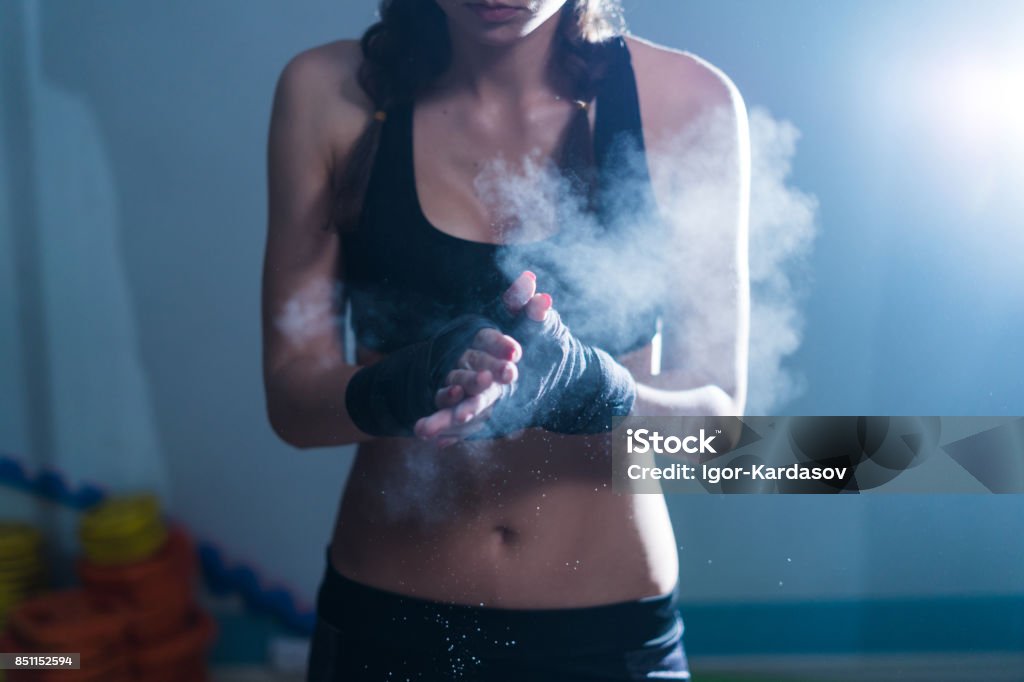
(564, 385)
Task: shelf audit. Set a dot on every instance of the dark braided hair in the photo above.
(409, 48)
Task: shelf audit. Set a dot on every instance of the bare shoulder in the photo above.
(318, 90)
(677, 87)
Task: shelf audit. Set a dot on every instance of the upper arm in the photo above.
(697, 137)
(311, 124)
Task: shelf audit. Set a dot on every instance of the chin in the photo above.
(496, 31)
(498, 37)
(495, 35)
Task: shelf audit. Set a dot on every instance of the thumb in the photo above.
(520, 292)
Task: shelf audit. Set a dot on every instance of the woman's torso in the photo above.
(529, 521)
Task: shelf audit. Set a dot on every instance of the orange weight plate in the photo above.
(70, 620)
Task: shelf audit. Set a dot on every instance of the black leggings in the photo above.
(364, 633)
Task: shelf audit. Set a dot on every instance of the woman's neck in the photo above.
(503, 73)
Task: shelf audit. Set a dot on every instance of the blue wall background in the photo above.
(132, 218)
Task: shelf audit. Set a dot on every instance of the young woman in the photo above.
(478, 536)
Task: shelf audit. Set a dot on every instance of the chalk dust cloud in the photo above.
(672, 254)
(639, 254)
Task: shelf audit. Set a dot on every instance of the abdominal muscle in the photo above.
(528, 521)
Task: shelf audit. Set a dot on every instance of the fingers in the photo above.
(503, 371)
(498, 345)
(458, 421)
(449, 396)
(520, 297)
(472, 382)
(473, 406)
(461, 433)
(435, 424)
(519, 292)
(482, 370)
(538, 306)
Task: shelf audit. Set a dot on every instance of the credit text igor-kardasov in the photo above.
(644, 441)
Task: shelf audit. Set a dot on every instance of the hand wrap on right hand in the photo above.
(387, 398)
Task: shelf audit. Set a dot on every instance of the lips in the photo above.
(494, 13)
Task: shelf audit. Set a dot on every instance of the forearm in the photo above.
(659, 399)
(316, 403)
(306, 404)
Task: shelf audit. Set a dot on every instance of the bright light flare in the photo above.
(983, 103)
(968, 108)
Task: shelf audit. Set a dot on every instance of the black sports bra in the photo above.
(404, 278)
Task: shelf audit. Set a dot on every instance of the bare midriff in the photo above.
(529, 521)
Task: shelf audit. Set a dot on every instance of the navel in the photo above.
(507, 535)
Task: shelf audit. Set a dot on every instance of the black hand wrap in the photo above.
(564, 385)
(386, 398)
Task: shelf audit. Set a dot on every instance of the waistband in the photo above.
(383, 618)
